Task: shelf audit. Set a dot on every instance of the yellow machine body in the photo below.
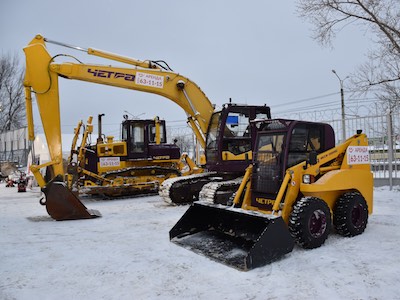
(110, 168)
(271, 212)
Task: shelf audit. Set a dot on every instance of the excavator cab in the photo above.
(231, 137)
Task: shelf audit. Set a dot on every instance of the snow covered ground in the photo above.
(127, 254)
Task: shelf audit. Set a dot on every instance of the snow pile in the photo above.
(127, 254)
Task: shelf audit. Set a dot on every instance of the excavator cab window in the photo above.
(212, 136)
(237, 125)
(236, 137)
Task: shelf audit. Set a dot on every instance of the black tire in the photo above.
(310, 222)
(350, 216)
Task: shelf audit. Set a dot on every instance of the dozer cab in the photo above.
(136, 164)
(298, 184)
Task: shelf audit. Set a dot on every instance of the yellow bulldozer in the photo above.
(298, 184)
(137, 163)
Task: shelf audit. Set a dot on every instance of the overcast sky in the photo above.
(254, 52)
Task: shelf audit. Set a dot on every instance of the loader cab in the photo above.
(280, 145)
(231, 137)
(141, 140)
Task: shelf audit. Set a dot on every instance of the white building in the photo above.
(42, 152)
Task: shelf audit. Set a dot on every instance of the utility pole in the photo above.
(342, 104)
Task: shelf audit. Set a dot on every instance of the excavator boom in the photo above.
(41, 78)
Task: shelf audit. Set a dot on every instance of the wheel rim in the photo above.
(357, 215)
(317, 223)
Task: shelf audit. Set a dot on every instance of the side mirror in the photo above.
(312, 158)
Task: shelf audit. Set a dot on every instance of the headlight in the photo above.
(307, 179)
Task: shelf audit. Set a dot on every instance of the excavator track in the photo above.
(142, 171)
(219, 192)
(208, 187)
(182, 190)
(130, 181)
(110, 191)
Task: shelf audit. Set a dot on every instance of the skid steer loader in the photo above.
(298, 183)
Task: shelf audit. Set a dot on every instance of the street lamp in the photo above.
(342, 104)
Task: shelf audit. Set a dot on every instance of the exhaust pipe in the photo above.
(100, 125)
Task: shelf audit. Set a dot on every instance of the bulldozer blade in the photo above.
(62, 204)
(238, 238)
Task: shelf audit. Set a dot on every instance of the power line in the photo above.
(307, 99)
(325, 104)
(302, 108)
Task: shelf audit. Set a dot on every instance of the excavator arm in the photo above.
(41, 78)
(42, 75)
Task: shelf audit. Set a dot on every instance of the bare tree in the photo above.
(12, 105)
(380, 19)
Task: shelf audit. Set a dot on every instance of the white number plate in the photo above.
(149, 80)
(109, 162)
(357, 155)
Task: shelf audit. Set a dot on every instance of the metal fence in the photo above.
(383, 133)
(382, 130)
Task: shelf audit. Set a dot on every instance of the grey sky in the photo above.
(255, 52)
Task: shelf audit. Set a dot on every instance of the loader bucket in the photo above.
(62, 204)
(235, 237)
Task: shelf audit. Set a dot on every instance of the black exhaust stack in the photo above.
(100, 138)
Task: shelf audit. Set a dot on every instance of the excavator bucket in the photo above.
(62, 204)
(237, 238)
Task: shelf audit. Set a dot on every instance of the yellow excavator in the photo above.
(227, 135)
(136, 164)
(298, 184)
